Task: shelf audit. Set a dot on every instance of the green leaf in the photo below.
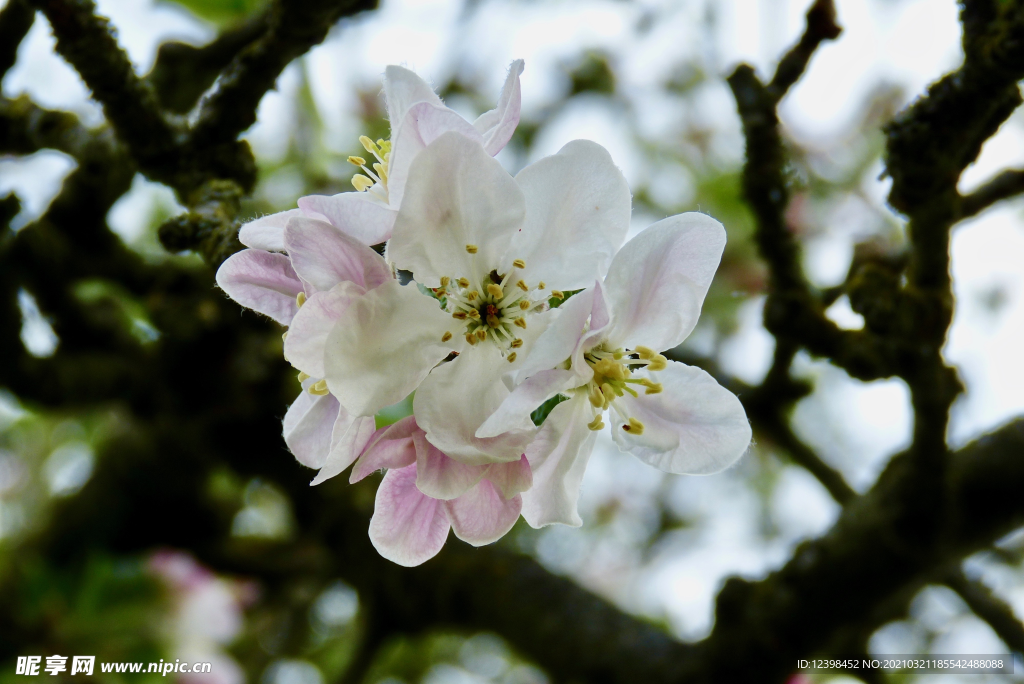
(541, 414)
(222, 11)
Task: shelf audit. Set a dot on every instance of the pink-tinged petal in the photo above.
(323, 256)
(457, 195)
(267, 232)
(423, 124)
(383, 345)
(441, 477)
(498, 125)
(577, 215)
(261, 281)
(402, 89)
(349, 438)
(358, 214)
(307, 427)
(307, 335)
(558, 458)
(695, 426)
(389, 447)
(407, 527)
(482, 515)
(658, 280)
(510, 478)
(515, 410)
(457, 397)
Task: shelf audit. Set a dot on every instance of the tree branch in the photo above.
(990, 608)
(1006, 185)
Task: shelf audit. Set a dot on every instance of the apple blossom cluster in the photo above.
(521, 294)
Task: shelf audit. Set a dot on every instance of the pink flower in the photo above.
(424, 493)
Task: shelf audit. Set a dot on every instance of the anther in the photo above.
(463, 282)
(645, 352)
(320, 388)
(519, 263)
(356, 161)
(521, 322)
(445, 280)
(471, 338)
(481, 334)
(361, 182)
(524, 305)
(652, 387)
(495, 291)
(473, 313)
(596, 424)
(472, 249)
(596, 398)
(300, 298)
(522, 286)
(557, 294)
(447, 336)
(367, 144)
(461, 315)
(541, 285)
(658, 363)
(517, 343)
(634, 427)
(511, 357)
(303, 376)
(472, 294)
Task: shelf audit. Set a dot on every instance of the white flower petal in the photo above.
(510, 478)
(307, 334)
(482, 515)
(658, 280)
(261, 281)
(359, 214)
(498, 125)
(525, 399)
(407, 527)
(323, 256)
(389, 447)
(455, 400)
(423, 124)
(456, 196)
(558, 458)
(695, 426)
(577, 215)
(267, 232)
(402, 89)
(307, 427)
(383, 345)
(562, 336)
(349, 438)
(441, 477)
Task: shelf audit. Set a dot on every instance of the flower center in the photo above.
(375, 178)
(613, 378)
(493, 309)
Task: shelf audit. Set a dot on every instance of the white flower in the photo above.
(601, 352)
(494, 248)
(418, 117)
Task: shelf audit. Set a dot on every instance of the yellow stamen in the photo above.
(645, 352)
(471, 338)
(517, 343)
(495, 291)
(303, 376)
(524, 305)
(381, 172)
(447, 336)
(472, 249)
(634, 427)
(541, 285)
(319, 389)
(557, 294)
(653, 388)
(356, 161)
(472, 294)
(445, 280)
(473, 313)
(461, 315)
(481, 334)
(300, 298)
(522, 286)
(596, 424)
(596, 398)
(463, 282)
(361, 183)
(519, 263)
(368, 144)
(512, 357)
(658, 363)
(521, 322)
